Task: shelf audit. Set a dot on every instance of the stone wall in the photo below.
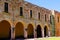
(13, 15)
(57, 23)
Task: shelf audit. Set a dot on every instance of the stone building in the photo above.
(21, 19)
(57, 23)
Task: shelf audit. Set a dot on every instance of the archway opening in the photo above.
(45, 31)
(5, 30)
(30, 31)
(19, 31)
(39, 31)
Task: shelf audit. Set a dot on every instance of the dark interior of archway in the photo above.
(30, 31)
(19, 31)
(39, 32)
(5, 31)
(45, 31)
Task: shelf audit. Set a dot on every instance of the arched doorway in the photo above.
(5, 30)
(19, 31)
(45, 31)
(30, 31)
(39, 31)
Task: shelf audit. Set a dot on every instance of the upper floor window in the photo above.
(6, 0)
(39, 16)
(50, 19)
(30, 13)
(6, 7)
(58, 19)
(45, 17)
(21, 11)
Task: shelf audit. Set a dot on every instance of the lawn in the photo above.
(47, 38)
(50, 38)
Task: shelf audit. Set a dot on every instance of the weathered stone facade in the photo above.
(24, 25)
(57, 23)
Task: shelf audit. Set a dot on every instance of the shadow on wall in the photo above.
(5, 31)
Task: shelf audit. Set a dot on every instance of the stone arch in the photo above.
(5, 29)
(30, 31)
(19, 30)
(45, 31)
(39, 31)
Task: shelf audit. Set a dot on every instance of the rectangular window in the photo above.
(39, 16)
(45, 17)
(6, 0)
(21, 11)
(6, 7)
(50, 20)
(30, 13)
(58, 19)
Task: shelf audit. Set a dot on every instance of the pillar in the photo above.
(35, 33)
(42, 32)
(49, 33)
(12, 33)
(25, 32)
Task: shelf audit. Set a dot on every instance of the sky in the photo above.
(49, 4)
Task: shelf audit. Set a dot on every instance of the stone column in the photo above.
(12, 33)
(25, 32)
(49, 33)
(35, 33)
(42, 32)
